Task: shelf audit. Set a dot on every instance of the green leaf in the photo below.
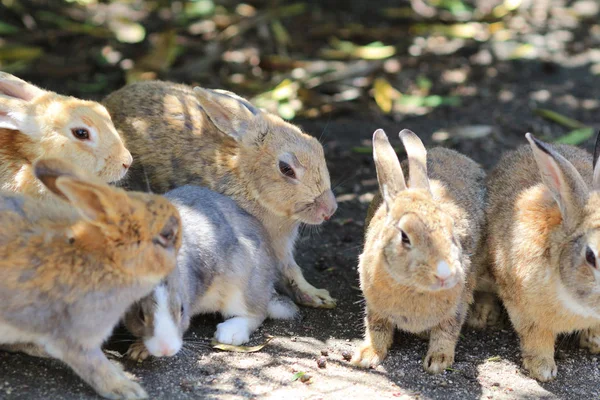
(298, 375)
(6, 29)
(576, 136)
(494, 359)
(559, 119)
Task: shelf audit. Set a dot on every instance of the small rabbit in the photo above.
(544, 238)
(70, 270)
(225, 265)
(36, 123)
(219, 140)
(415, 270)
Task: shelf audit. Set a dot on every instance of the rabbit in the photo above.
(70, 270)
(415, 269)
(217, 139)
(225, 265)
(36, 123)
(544, 238)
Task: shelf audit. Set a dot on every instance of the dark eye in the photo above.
(182, 311)
(141, 315)
(405, 239)
(81, 133)
(287, 170)
(590, 257)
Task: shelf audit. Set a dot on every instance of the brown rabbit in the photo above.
(415, 270)
(36, 123)
(219, 140)
(544, 238)
(70, 271)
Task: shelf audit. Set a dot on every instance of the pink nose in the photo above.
(126, 166)
(167, 350)
(327, 204)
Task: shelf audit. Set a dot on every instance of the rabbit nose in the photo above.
(126, 166)
(443, 271)
(167, 350)
(327, 204)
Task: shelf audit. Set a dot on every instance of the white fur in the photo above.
(443, 270)
(573, 305)
(236, 330)
(281, 309)
(11, 335)
(166, 340)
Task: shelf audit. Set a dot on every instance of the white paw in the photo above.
(234, 331)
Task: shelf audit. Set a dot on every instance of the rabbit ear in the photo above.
(96, 203)
(562, 179)
(48, 170)
(389, 174)
(14, 96)
(595, 165)
(232, 114)
(417, 160)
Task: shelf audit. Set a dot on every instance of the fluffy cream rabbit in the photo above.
(35, 124)
(544, 239)
(415, 270)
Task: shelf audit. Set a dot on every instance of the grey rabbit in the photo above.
(225, 265)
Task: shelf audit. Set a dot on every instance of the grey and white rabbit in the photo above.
(226, 265)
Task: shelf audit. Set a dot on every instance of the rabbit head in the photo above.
(139, 231)
(575, 230)
(63, 127)
(285, 168)
(419, 242)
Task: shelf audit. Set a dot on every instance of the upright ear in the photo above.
(417, 160)
(232, 114)
(389, 174)
(14, 96)
(49, 169)
(596, 180)
(96, 203)
(562, 179)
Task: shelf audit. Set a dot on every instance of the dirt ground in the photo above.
(501, 95)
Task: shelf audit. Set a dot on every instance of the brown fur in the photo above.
(446, 212)
(535, 247)
(36, 124)
(70, 271)
(182, 136)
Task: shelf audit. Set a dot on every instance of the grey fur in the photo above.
(222, 245)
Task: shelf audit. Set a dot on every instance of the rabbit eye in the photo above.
(590, 257)
(81, 133)
(287, 170)
(182, 311)
(405, 239)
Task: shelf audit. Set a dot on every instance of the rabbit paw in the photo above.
(138, 351)
(367, 357)
(437, 361)
(310, 296)
(234, 331)
(123, 389)
(590, 339)
(541, 368)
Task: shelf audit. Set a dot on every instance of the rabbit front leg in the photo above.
(485, 311)
(442, 342)
(31, 349)
(92, 366)
(304, 293)
(590, 339)
(237, 330)
(537, 347)
(137, 351)
(379, 335)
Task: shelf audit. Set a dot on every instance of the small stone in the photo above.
(325, 353)
(346, 355)
(496, 384)
(305, 378)
(321, 362)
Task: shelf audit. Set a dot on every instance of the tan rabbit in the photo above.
(36, 123)
(544, 238)
(415, 270)
(70, 270)
(217, 139)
